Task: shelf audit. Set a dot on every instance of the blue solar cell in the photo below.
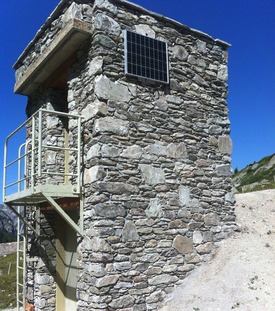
(146, 57)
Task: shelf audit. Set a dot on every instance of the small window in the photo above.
(146, 57)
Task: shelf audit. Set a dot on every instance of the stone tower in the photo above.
(153, 194)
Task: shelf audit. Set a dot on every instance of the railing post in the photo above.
(79, 153)
(5, 170)
(33, 152)
(40, 120)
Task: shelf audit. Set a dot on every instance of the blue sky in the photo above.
(249, 25)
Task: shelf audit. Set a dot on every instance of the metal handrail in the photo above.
(31, 153)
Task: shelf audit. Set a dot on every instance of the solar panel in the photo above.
(146, 57)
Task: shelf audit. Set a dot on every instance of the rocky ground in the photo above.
(241, 275)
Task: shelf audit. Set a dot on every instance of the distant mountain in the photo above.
(257, 176)
(8, 225)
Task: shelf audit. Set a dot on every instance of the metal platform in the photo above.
(37, 195)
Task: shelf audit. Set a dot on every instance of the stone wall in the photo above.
(157, 166)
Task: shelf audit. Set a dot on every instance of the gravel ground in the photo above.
(241, 275)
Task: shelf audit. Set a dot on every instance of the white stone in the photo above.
(94, 109)
(152, 175)
(184, 195)
(106, 5)
(223, 73)
(180, 52)
(106, 23)
(133, 152)
(154, 209)
(197, 237)
(157, 149)
(74, 11)
(145, 30)
(109, 90)
(95, 65)
(225, 144)
(112, 125)
(93, 174)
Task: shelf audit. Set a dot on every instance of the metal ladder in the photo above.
(21, 260)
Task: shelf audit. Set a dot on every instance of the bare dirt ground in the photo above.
(7, 248)
(241, 275)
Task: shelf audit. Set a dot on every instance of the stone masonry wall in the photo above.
(157, 166)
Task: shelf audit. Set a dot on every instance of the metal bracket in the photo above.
(64, 215)
(22, 218)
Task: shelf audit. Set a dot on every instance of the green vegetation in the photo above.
(256, 176)
(6, 237)
(8, 281)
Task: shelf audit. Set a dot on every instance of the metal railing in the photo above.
(49, 152)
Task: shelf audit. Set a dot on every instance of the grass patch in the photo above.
(8, 281)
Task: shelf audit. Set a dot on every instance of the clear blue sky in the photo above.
(249, 25)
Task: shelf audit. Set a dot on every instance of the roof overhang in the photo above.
(64, 45)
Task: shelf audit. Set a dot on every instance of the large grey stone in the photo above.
(152, 175)
(109, 210)
(93, 109)
(73, 12)
(230, 197)
(223, 170)
(125, 301)
(93, 152)
(163, 279)
(106, 5)
(104, 41)
(133, 152)
(183, 244)
(197, 237)
(95, 65)
(129, 232)
(107, 89)
(180, 52)
(93, 174)
(223, 73)
(145, 30)
(154, 209)
(105, 22)
(174, 99)
(204, 248)
(117, 187)
(211, 219)
(177, 151)
(107, 280)
(157, 149)
(225, 144)
(184, 195)
(95, 244)
(110, 151)
(112, 125)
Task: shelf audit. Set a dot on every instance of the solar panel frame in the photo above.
(146, 57)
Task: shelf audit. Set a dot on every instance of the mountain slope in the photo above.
(257, 176)
(7, 225)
